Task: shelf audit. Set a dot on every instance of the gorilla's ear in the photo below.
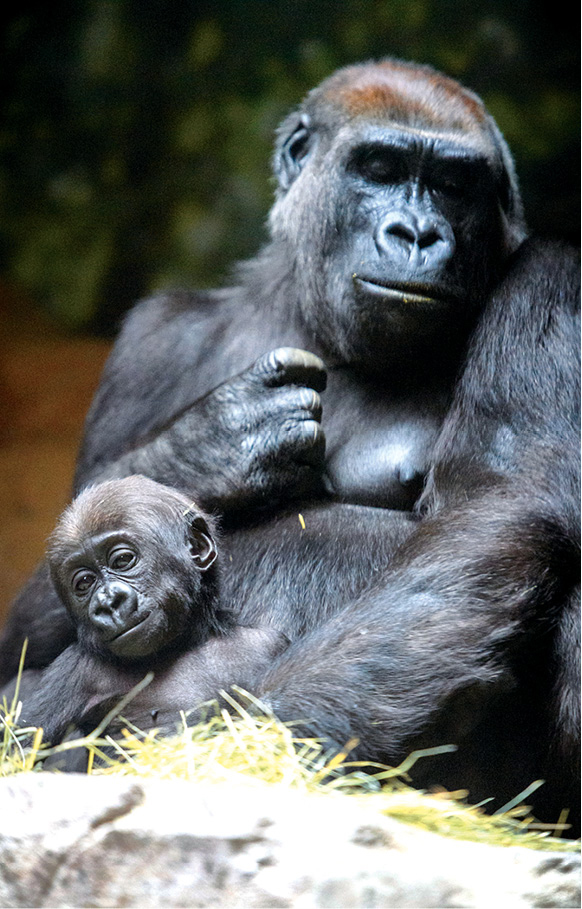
(202, 544)
(294, 142)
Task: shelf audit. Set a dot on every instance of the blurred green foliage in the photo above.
(136, 134)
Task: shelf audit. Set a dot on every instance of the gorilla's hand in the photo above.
(254, 439)
(257, 438)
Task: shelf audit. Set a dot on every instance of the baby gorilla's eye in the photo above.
(121, 558)
(82, 582)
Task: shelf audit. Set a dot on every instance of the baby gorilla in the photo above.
(135, 564)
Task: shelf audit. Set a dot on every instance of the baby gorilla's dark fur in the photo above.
(135, 564)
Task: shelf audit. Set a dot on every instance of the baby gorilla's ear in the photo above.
(202, 544)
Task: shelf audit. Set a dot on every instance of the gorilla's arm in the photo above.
(195, 678)
(58, 696)
(448, 622)
(252, 439)
(79, 689)
(491, 566)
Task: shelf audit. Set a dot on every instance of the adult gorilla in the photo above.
(449, 356)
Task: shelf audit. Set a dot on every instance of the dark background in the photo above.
(135, 135)
(135, 138)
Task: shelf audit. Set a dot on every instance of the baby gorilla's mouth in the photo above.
(127, 632)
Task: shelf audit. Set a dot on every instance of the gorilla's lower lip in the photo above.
(400, 294)
(127, 631)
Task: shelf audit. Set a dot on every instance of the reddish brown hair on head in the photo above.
(416, 97)
(406, 93)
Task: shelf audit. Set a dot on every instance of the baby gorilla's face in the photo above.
(128, 559)
(131, 598)
(128, 598)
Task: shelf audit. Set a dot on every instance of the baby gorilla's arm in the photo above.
(79, 689)
(240, 658)
(58, 696)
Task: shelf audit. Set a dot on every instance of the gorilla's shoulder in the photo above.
(172, 306)
(167, 320)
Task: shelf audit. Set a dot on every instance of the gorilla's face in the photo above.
(128, 558)
(397, 229)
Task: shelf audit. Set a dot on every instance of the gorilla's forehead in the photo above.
(413, 97)
(386, 129)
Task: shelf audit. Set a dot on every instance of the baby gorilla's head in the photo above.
(134, 563)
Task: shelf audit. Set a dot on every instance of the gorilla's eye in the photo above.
(379, 164)
(453, 186)
(121, 558)
(82, 581)
(459, 180)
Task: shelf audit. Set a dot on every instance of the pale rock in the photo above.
(117, 841)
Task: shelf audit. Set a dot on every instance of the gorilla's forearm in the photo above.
(188, 682)
(253, 440)
(78, 689)
(181, 457)
(467, 594)
(57, 697)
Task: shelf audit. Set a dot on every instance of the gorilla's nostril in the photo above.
(429, 239)
(401, 233)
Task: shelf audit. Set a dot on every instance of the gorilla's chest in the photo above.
(379, 442)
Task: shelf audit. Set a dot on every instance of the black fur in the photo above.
(428, 440)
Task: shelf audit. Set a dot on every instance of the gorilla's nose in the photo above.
(113, 603)
(424, 243)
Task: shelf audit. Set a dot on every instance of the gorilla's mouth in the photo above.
(127, 633)
(407, 294)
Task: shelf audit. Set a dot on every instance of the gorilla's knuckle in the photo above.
(309, 400)
(290, 428)
(290, 365)
(278, 360)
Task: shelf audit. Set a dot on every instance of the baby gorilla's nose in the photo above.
(112, 604)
